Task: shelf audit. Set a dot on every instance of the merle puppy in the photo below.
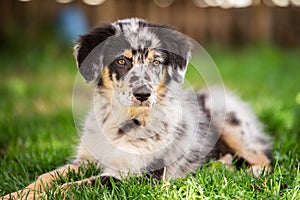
(142, 121)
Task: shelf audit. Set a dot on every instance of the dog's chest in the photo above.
(125, 148)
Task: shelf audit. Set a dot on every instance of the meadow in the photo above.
(37, 131)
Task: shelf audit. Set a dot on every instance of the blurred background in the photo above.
(225, 22)
(254, 43)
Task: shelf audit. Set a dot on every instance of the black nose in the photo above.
(142, 93)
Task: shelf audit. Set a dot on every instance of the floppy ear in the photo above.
(89, 54)
(178, 50)
(178, 56)
(178, 65)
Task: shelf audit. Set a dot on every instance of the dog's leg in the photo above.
(33, 190)
(91, 181)
(253, 150)
(241, 132)
(104, 180)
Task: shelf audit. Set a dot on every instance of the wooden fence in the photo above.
(212, 24)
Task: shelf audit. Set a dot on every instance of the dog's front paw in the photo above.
(10, 196)
(260, 170)
(14, 195)
(22, 194)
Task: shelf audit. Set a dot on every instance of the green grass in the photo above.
(37, 131)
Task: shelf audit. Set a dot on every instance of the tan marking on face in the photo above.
(150, 56)
(128, 53)
(107, 82)
(140, 113)
(162, 87)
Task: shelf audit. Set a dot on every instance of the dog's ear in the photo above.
(178, 65)
(178, 50)
(89, 51)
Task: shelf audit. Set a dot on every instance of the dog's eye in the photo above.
(121, 62)
(156, 62)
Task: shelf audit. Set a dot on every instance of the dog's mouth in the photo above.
(138, 103)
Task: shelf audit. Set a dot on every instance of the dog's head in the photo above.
(134, 58)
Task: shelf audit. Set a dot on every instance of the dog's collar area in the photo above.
(128, 125)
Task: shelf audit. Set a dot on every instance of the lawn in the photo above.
(37, 132)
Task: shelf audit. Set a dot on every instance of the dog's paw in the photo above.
(18, 195)
(14, 195)
(226, 160)
(259, 170)
(23, 194)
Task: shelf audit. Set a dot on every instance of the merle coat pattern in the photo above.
(142, 121)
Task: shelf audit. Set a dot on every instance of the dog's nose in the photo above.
(142, 93)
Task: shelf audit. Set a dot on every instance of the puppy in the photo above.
(142, 121)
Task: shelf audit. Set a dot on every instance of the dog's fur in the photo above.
(142, 121)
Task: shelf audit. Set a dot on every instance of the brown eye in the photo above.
(121, 62)
(156, 62)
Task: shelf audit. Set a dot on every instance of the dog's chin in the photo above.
(140, 113)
